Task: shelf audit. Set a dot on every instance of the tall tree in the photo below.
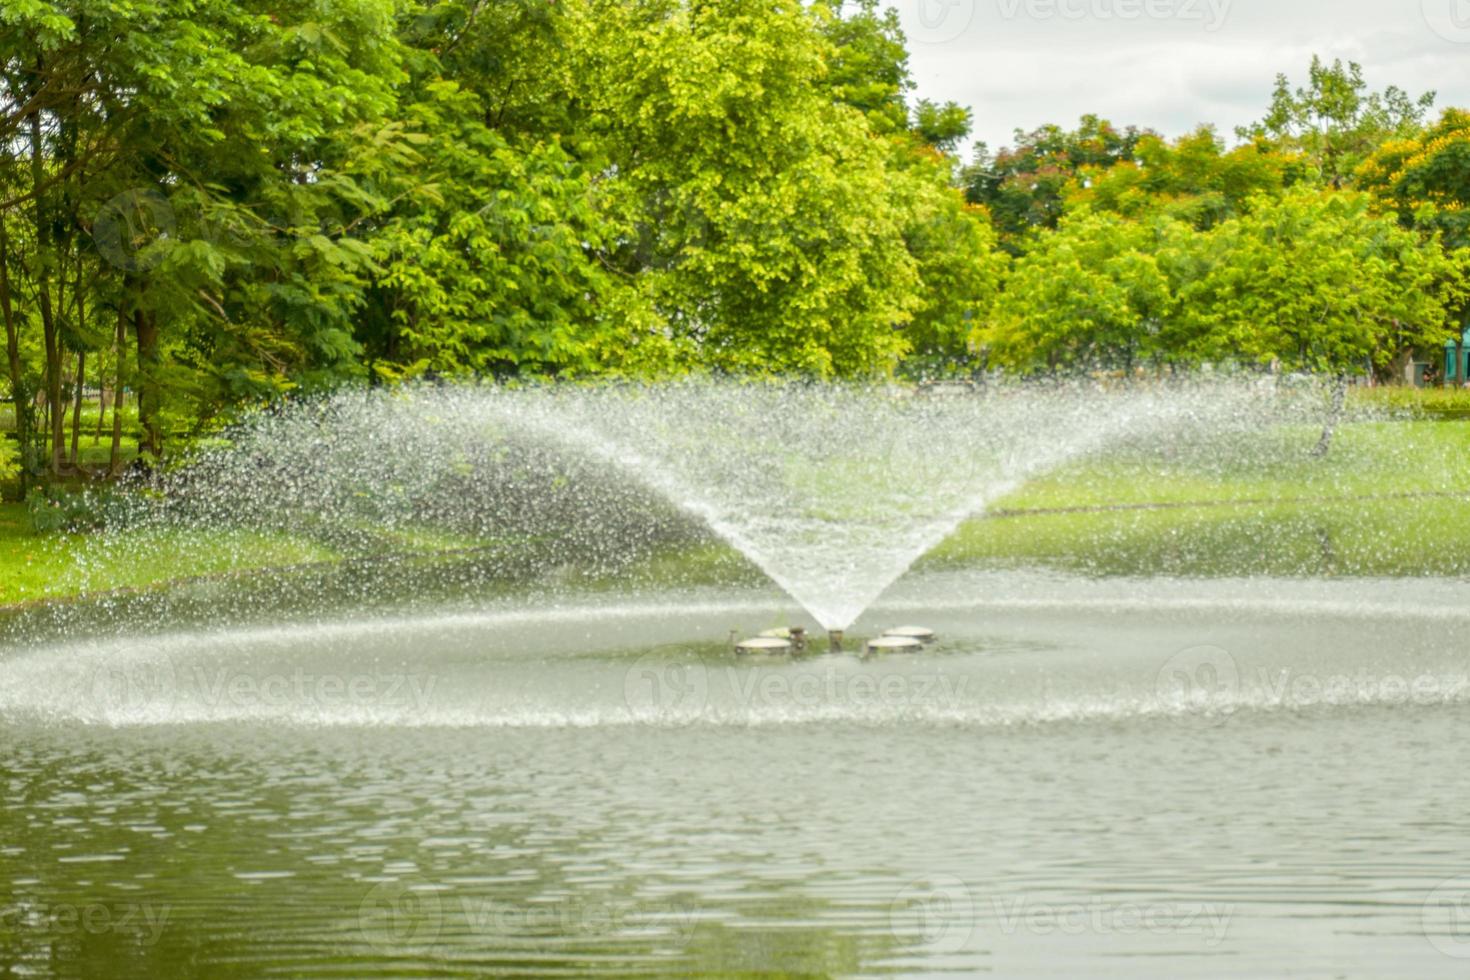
(753, 210)
(1090, 294)
(1335, 120)
(1024, 186)
(1317, 282)
(1426, 178)
(1194, 179)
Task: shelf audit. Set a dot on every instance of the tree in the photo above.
(869, 65)
(1426, 178)
(1334, 120)
(1319, 283)
(223, 125)
(959, 264)
(753, 211)
(1194, 179)
(484, 257)
(1025, 187)
(1089, 294)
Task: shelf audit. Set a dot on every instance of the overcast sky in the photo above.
(1169, 64)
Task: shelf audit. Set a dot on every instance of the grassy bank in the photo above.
(1390, 499)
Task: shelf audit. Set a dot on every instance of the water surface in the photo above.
(1105, 778)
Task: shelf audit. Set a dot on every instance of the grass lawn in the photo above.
(39, 566)
(1390, 499)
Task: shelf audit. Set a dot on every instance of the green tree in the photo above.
(753, 211)
(222, 128)
(1025, 187)
(1318, 282)
(1194, 179)
(1090, 294)
(1426, 179)
(1334, 120)
(959, 263)
(484, 255)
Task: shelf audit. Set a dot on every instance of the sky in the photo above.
(1169, 65)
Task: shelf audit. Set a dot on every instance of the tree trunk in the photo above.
(76, 411)
(49, 327)
(114, 464)
(101, 396)
(18, 392)
(150, 437)
(1334, 416)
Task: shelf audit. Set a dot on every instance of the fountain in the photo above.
(458, 694)
(832, 491)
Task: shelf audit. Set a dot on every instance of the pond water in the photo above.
(1121, 777)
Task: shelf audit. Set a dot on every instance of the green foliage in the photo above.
(1194, 179)
(9, 459)
(1316, 283)
(1025, 187)
(269, 198)
(1308, 281)
(753, 211)
(54, 509)
(1091, 293)
(1334, 120)
(483, 262)
(868, 68)
(959, 265)
(1426, 178)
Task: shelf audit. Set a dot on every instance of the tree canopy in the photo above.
(209, 205)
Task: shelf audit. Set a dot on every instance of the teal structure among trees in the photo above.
(1457, 358)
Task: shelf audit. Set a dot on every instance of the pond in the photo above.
(1132, 777)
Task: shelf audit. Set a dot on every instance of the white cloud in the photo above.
(1168, 64)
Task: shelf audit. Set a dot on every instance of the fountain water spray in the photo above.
(833, 491)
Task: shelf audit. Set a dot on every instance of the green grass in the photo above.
(39, 566)
(1443, 403)
(1392, 498)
